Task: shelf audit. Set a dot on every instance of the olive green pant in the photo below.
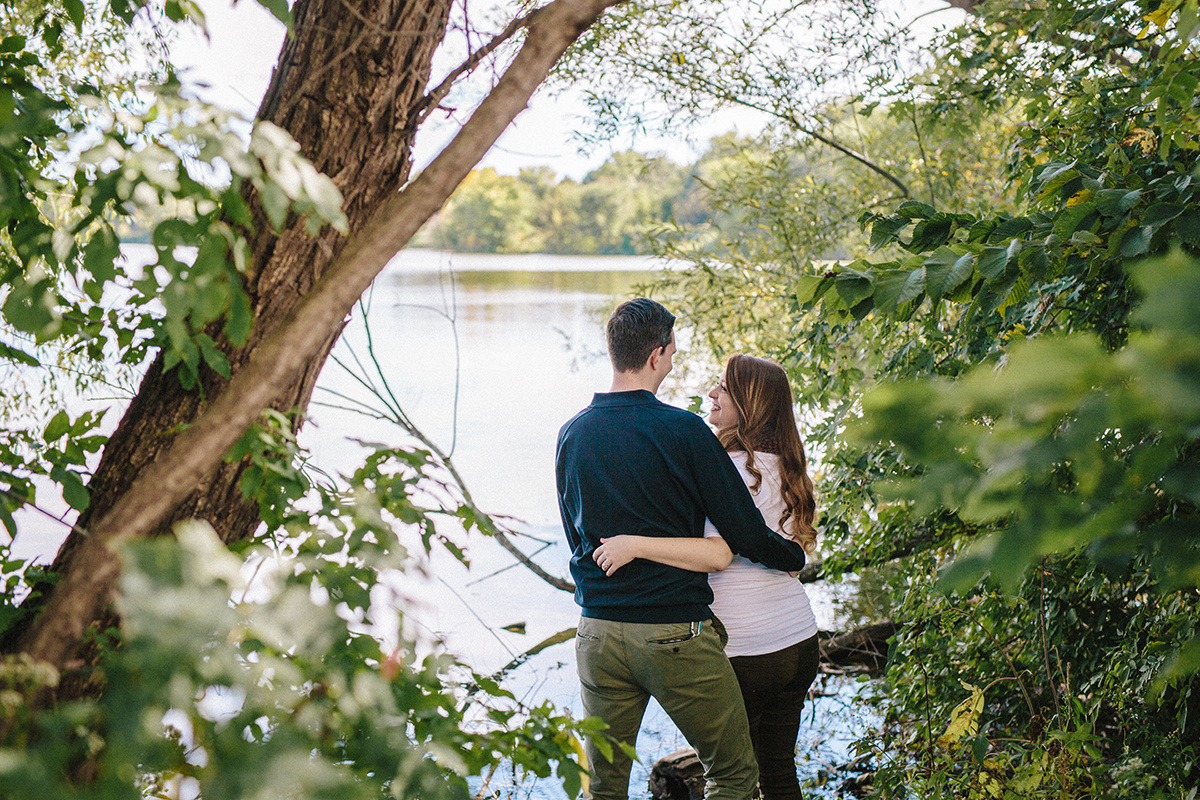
(682, 666)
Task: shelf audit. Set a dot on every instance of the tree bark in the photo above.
(297, 345)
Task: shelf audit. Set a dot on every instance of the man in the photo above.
(629, 463)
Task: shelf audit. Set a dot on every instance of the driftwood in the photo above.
(680, 776)
(863, 649)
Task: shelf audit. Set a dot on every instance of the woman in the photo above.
(772, 631)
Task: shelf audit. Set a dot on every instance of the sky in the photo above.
(236, 59)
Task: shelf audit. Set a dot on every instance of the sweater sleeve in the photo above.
(728, 504)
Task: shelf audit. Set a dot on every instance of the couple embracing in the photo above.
(684, 549)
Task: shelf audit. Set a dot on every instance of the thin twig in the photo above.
(27, 504)
(397, 416)
(1045, 646)
(494, 573)
(1004, 652)
(432, 100)
(486, 627)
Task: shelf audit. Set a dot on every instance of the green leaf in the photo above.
(1187, 226)
(1171, 293)
(930, 232)
(915, 210)
(276, 203)
(1185, 662)
(895, 287)
(1107, 201)
(212, 356)
(1057, 181)
(58, 427)
(74, 492)
(10, 524)
(992, 262)
(100, 260)
(945, 271)
(809, 288)
(235, 208)
(1159, 213)
(1069, 218)
(886, 229)
(86, 422)
(252, 481)
(1136, 242)
(77, 13)
(981, 230)
(20, 356)
(279, 9)
(1183, 87)
(1183, 480)
(1011, 227)
(852, 288)
(240, 318)
(31, 307)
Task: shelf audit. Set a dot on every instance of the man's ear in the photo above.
(655, 356)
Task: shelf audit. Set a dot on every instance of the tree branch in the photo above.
(88, 586)
(432, 100)
(796, 125)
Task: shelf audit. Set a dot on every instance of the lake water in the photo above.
(488, 356)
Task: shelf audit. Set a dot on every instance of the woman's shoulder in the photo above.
(767, 464)
(760, 458)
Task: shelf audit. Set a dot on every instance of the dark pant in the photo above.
(774, 686)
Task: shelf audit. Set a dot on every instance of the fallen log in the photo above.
(863, 649)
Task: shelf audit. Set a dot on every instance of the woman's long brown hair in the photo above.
(763, 399)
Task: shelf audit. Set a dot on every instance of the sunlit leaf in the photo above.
(964, 719)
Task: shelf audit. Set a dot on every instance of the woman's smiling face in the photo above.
(723, 414)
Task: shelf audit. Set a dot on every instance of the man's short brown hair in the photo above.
(636, 329)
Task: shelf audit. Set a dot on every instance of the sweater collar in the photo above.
(637, 397)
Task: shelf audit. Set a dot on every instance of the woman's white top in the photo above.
(764, 610)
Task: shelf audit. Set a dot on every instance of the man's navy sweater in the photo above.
(629, 463)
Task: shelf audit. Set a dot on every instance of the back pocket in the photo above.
(675, 634)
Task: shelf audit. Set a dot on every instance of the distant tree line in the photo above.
(609, 212)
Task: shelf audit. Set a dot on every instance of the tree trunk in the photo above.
(863, 649)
